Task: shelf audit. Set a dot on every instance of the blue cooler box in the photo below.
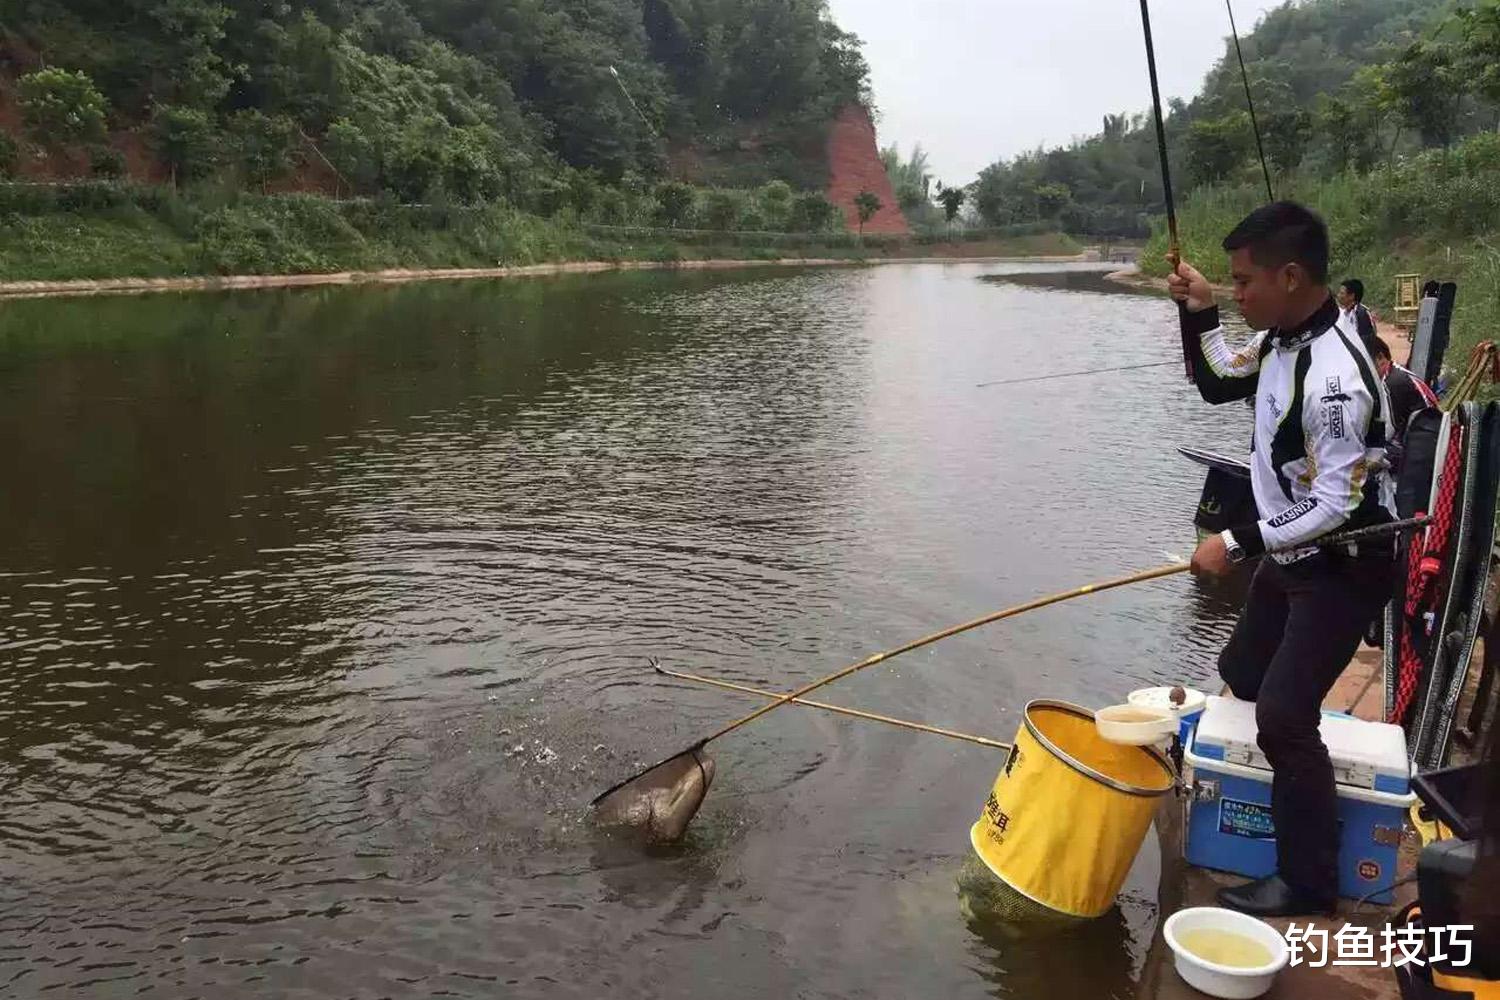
(1229, 811)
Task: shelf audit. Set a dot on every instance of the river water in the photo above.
(324, 612)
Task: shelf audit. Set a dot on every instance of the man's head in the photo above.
(1278, 257)
(1381, 352)
(1351, 293)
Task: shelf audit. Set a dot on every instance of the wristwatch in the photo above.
(1231, 547)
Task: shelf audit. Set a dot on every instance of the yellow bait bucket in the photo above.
(1068, 812)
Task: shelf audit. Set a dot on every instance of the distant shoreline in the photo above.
(206, 283)
(1394, 336)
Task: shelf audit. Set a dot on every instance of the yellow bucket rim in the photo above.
(1084, 769)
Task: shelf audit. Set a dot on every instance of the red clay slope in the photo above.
(854, 166)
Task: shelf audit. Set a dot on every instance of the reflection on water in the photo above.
(323, 613)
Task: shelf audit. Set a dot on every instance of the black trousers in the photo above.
(1301, 624)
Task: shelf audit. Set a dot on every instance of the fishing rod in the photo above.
(1249, 101)
(1174, 246)
(1091, 371)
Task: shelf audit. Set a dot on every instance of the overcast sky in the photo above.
(977, 80)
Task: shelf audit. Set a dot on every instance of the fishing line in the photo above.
(1249, 101)
(646, 121)
(1091, 371)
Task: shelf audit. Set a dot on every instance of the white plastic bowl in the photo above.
(1225, 980)
(1135, 725)
(1161, 697)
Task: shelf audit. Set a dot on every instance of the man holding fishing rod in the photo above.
(1318, 465)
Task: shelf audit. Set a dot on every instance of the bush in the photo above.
(812, 213)
(61, 106)
(674, 201)
(721, 210)
(107, 162)
(776, 203)
(611, 207)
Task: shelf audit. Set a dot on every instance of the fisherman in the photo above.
(1407, 393)
(1353, 315)
(1318, 464)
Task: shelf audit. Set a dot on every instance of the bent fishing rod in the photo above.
(623, 788)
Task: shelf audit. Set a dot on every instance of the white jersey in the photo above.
(1322, 418)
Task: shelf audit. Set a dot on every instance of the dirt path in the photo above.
(136, 286)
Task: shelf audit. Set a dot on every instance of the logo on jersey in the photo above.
(1335, 421)
(1293, 512)
(1333, 391)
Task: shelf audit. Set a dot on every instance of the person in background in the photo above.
(1408, 394)
(1317, 465)
(1353, 316)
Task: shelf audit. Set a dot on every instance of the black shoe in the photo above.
(1271, 897)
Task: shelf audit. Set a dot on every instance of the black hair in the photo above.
(1379, 348)
(1356, 288)
(1280, 233)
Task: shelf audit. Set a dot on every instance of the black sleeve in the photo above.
(1366, 325)
(1406, 399)
(1221, 373)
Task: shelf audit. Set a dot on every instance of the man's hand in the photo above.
(1210, 558)
(1190, 287)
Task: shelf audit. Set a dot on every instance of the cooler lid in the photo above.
(1364, 754)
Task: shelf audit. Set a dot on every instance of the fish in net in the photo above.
(660, 803)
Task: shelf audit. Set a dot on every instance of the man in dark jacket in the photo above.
(1353, 316)
(1408, 395)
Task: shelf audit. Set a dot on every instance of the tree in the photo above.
(910, 177)
(1286, 134)
(1051, 199)
(1481, 48)
(811, 213)
(866, 204)
(1217, 146)
(353, 154)
(183, 57)
(262, 144)
(776, 203)
(952, 199)
(1347, 127)
(1423, 89)
(721, 210)
(674, 201)
(185, 139)
(60, 106)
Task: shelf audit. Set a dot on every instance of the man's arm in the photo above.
(1406, 399)
(1336, 426)
(1221, 373)
(1366, 324)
